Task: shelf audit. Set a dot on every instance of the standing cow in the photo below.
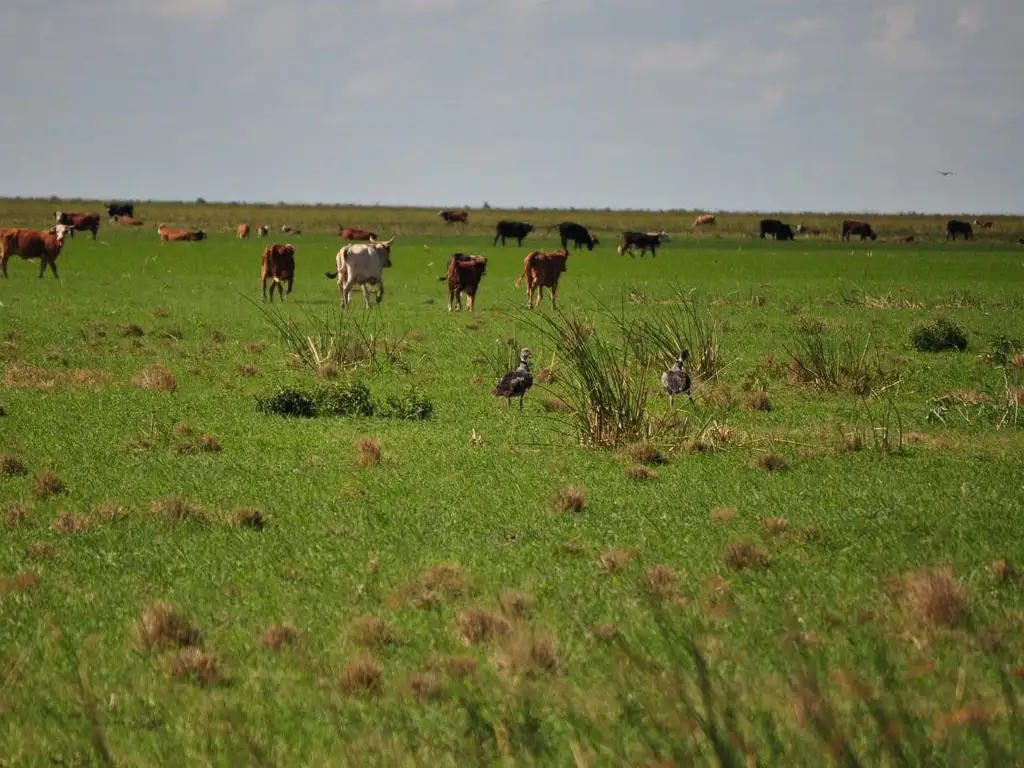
(776, 229)
(83, 222)
(242, 232)
(540, 270)
(356, 235)
(645, 241)
(955, 227)
(704, 220)
(464, 275)
(861, 228)
(362, 264)
(580, 235)
(278, 265)
(459, 216)
(33, 244)
(516, 229)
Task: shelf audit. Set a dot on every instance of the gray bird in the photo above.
(515, 383)
(676, 380)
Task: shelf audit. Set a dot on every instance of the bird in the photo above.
(676, 380)
(515, 383)
(945, 173)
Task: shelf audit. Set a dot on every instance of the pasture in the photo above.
(818, 559)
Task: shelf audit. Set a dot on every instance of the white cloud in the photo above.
(809, 27)
(897, 45)
(969, 19)
(677, 57)
(898, 23)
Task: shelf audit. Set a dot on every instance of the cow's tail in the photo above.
(331, 275)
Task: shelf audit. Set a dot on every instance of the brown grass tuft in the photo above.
(569, 500)
(571, 547)
(176, 509)
(771, 462)
(19, 582)
(132, 330)
(721, 397)
(640, 474)
(775, 526)
(182, 429)
(361, 675)
(555, 405)
(248, 517)
(723, 514)
(643, 453)
(426, 686)
(742, 554)
(546, 376)
(327, 370)
(759, 401)
(11, 466)
(47, 484)
(1001, 571)
(69, 523)
(110, 511)
(248, 370)
(477, 625)
(435, 584)
(162, 626)
(935, 597)
(368, 452)
(605, 631)
(461, 666)
(156, 377)
(38, 550)
(515, 604)
(161, 312)
(209, 444)
(217, 337)
(615, 559)
(277, 636)
(528, 652)
(196, 665)
(660, 580)
(255, 347)
(371, 632)
(16, 514)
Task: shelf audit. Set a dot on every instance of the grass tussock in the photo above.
(775, 526)
(16, 514)
(771, 462)
(426, 686)
(939, 336)
(616, 559)
(643, 453)
(47, 485)
(361, 676)
(209, 444)
(1003, 572)
(555, 405)
(759, 401)
(477, 625)
(255, 347)
(69, 523)
(248, 370)
(12, 466)
(834, 361)
(660, 580)
(131, 330)
(570, 499)
(723, 514)
(177, 510)
(162, 626)
(23, 581)
(195, 665)
(741, 555)
(515, 604)
(279, 636)
(604, 631)
(934, 597)
(435, 585)
(640, 474)
(529, 652)
(461, 667)
(546, 376)
(38, 550)
(571, 547)
(248, 517)
(109, 511)
(368, 452)
(372, 632)
(182, 429)
(157, 377)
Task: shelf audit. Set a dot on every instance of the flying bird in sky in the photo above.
(945, 173)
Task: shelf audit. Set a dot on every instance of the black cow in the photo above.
(955, 227)
(116, 208)
(516, 229)
(861, 228)
(776, 229)
(579, 234)
(645, 241)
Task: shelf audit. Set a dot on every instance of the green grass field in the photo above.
(808, 574)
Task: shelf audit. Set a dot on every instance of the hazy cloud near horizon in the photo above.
(750, 105)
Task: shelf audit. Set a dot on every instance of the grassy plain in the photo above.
(486, 589)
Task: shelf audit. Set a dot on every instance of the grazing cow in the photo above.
(356, 235)
(116, 208)
(127, 221)
(905, 239)
(278, 264)
(177, 234)
(289, 230)
(83, 222)
(540, 270)
(579, 234)
(262, 230)
(516, 229)
(33, 244)
(460, 216)
(983, 224)
(776, 229)
(645, 241)
(362, 264)
(955, 227)
(242, 232)
(704, 220)
(804, 229)
(464, 275)
(1020, 241)
(861, 228)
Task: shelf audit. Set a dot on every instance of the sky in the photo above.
(769, 105)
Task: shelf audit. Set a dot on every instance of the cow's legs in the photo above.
(471, 300)
(264, 281)
(3, 264)
(346, 293)
(554, 295)
(291, 282)
(380, 292)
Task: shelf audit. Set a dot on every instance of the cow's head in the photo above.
(591, 241)
(61, 231)
(529, 227)
(200, 235)
(289, 249)
(384, 249)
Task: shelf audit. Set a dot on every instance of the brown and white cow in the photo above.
(290, 230)
(177, 234)
(542, 270)
(983, 224)
(242, 231)
(460, 216)
(464, 275)
(83, 222)
(33, 244)
(127, 221)
(356, 235)
(705, 220)
(262, 230)
(278, 265)
(806, 229)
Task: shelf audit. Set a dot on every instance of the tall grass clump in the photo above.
(833, 360)
(684, 321)
(938, 336)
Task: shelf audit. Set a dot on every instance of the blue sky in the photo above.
(735, 105)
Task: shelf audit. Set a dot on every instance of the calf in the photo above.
(460, 216)
(242, 232)
(356, 235)
(540, 270)
(278, 264)
(983, 224)
(464, 275)
(83, 222)
(861, 228)
(705, 220)
(33, 244)
(127, 221)
(955, 227)
(645, 241)
(580, 235)
(177, 234)
(516, 229)
(362, 264)
(776, 229)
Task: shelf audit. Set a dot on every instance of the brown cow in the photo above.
(356, 235)
(464, 274)
(84, 222)
(176, 234)
(540, 270)
(128, 221)
(705, 220)
(460, 216)
(983, 224)
(905, 239)
(242, 232)
(278, 264)
(33, 244)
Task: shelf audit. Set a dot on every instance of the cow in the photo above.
(290, 230)
(955, 227)
(516, 229)
(278, 264)
(464, 274)
(704, 220)
(983, 224)
(82, 222)
(116, 208)
(127, 221)
(242, 232)
(579, 234)
(362, 264)
(356, 235)
(262, 230)
(176, 234)
(33, 244)
(804, 229)
(645, 241)
(460, 216)
(540, 270)
(861, 228)
(905, 239)
(1020, 241)
(776, 229)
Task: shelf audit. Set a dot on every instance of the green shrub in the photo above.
(287, 401)
(349, 399)
(938, 336)
(412, 405)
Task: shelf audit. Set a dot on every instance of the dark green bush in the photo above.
(412, 405)
(349, 399)
(287, 401)
(938, 336)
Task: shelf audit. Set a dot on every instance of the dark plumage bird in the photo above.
(515, 383)
(676, 380)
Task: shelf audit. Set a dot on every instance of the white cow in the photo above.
(362, 264)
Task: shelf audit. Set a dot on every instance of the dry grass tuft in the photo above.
(615, 559)
(569, 500)
(176, 509)
(69, 523)
(515, 604)
(435, 584)
(368, 452)
(47, 484)
(248, 369)
(161, 312)
(327, 370)
(529, 652)
(217, 337)
(759, 401)
(640, 474)
(110, 511)
(1001, 571)
(17, 514)
(721, 397)
(718, 597)
(555, 405)
(572, 547)
(196, 665)
(935, 597)
(775, 526)
(643, 453)
(38, 550)
(132, 330)
(371, 632)
(426, 686)
(12, 466)
(477, 625)
(742, 554)
(361, 675)
(209, 444)
(461, 666)
(162, 626)
(182, 429)
(255, 347)
(605, 631)
(546, 376)
(771, 462)
(19, 582)
(724, 514)
(248, 517)
(277, 636)
(660, 580)
(156, 377)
